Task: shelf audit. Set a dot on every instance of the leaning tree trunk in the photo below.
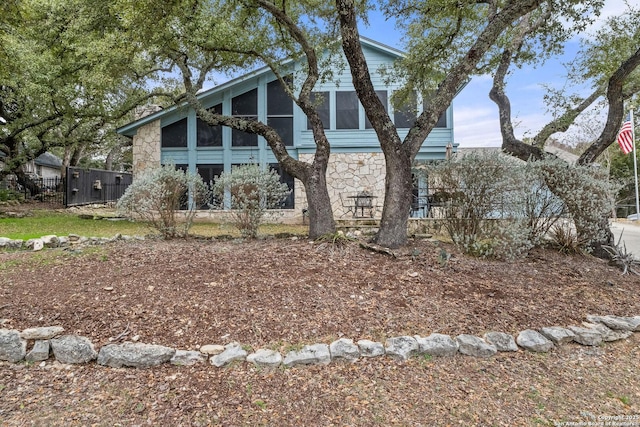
(397, 202)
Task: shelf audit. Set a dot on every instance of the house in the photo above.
(356, 164)
(46, 166)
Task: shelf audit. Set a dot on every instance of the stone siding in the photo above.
(348, 174)
(146, 147)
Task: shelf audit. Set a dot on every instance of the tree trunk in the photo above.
(319, 204)
(397, 201)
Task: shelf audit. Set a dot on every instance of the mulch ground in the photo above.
(282, 293)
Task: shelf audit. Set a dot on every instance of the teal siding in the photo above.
(355, 140)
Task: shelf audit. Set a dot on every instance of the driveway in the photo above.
(630, 235)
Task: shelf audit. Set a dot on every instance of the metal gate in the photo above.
(86, 186)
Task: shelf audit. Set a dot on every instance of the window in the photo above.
(382, 95)
(321, 102)
(246, 106)
(184, 199)
(174, 135)
(210, 136)
(442, 120)
(288, 203)
(404, 116)
(208, 173)
(280, 111)
(347, 111)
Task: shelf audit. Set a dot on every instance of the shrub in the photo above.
(7, 195)
(478, 190)
(252, 191)
(157, 195)
(587, 194)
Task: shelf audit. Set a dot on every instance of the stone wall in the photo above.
(146, 147)
(348, 174)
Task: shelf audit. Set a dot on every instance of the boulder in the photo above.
(617, 323)
(187, 358)
(370, 348)
(401, 348)
(34, 244)
(73, 349)
(232, 352)
(12, 347)
(586, 336)
(42, 333)
(437, 345)
(50, 241)
(502, 341)
(608, 335)
(266, 358)
(39, 352)
(344, 349)
(534, 341)
(475, 346)
(316, 354)
(558, 334)
(135, 355)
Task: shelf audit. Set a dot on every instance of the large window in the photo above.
(382, 95)
(245, 106)
(208, 173)
(288, 203)
(404, 116)
(210, 136)
(347, 111)
(321, 102)
(174, 135)
(280, 112)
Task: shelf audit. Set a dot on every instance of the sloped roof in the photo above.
(49, 160)
(131, 128)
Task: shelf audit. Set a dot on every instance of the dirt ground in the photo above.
(284, 293)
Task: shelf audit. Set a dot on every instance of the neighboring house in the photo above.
(45, 166)
(356, 164)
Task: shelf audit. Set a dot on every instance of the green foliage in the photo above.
(622, 258)
(252, 192)
(157, 195)
(564, 238)
(7, 194)
(587, 194)
(496, 206)
(479, 192)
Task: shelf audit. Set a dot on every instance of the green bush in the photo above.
(497, 206)
(479, 192)
(157, 195)
(251, 191)
(7, 195)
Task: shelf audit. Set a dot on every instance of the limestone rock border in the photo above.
(77, 349)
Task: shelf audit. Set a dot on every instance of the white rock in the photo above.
(502, 341)
(558, 334)
(344, 349)
(42, 333)
(370, 348)
(471, 345)
(437, 345)
(212, 349)
(265, 357)
(534, 341)
(232, 352)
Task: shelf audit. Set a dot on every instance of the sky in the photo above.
(475, 115)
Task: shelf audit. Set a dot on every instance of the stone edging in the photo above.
(75, 349)
(67, 242)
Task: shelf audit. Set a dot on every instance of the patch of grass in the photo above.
(260, 404)
(44, 222)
